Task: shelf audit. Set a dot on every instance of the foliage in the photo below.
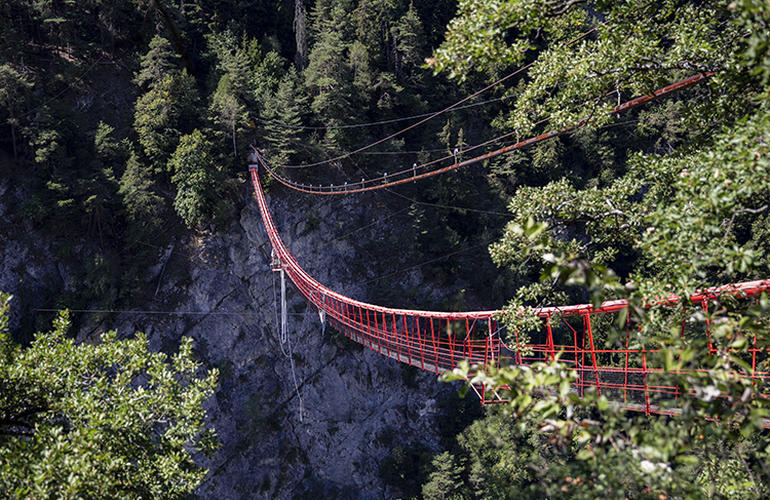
(143, 205)
(679, 206)
(284, 111)
(159, 61)
(162, 115)
(104, 420)
(196, 176)
(594, 446)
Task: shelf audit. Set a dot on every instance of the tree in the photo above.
(109, 420)
(284, 116)
(162, 115)
(196, 177)
(140, 199)
(228, 112)
(159, 61)
(13, 87)
(100, 191)
(329, 75)
(669, 221)
(445, 482)
(300, 35)
(407, 36)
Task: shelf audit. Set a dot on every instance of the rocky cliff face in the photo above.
(328, 435)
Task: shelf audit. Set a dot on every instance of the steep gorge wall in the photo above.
(356, 404)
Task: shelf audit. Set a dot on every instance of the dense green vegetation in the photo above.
(125, 124)
(108, 421)
(685, 211)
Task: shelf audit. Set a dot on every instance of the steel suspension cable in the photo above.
(411, 175)
(380, 122)
(430, 261)
(437, 113)
(450, 207)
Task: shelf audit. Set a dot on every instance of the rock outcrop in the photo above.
(325, 436)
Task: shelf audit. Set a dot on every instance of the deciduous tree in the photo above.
(106, 420)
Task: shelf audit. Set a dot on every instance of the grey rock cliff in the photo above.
(355, 404)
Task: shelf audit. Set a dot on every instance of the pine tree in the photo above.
(195, 175)
(13, 89)
(329, 76)
(445, 482)
(143, 205)
(228, 112)
(300, 35)
(407, 39)
(163, 114)
(159, 61)
(284, 112)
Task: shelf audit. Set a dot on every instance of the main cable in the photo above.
(375, 123)
(411, 175)
(437, 113)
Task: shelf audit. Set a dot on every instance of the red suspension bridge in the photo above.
(437, 341)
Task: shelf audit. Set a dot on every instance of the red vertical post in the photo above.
(489, 337)
(420, 342)
(467, 340)
(577, 362)
(646, 394)
(708, 324)
(435, 347)
(377, 330)
(754, 361)
(344, 318)
(350, 316)
(395, 335)
(337, 305)
(497, 344)
(518, 349)
(356, 323)
(335, 314)
(369, 327)
(362, 326)
(406, 337)
(449, 341)
(385, 332)
(625, 370)
(333, 321)
(549, 339)
(587, 319)
(348, 321)
(681, 338)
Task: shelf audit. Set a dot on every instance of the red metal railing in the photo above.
(437, 341)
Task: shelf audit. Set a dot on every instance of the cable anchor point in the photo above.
(322, 317)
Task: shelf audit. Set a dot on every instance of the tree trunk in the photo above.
(235, 149)
(300, 35)
(175, 38)
(13, 141)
